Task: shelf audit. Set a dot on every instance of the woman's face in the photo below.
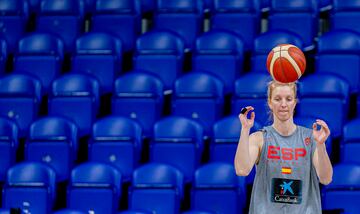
(282, 102)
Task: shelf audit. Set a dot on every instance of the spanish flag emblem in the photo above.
(286, 170)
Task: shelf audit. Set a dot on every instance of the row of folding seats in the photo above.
(96, 187)
(197, 95)
(163, 54)
(178, 141)
(185, 17)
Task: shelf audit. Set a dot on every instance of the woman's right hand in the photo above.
(245, 122)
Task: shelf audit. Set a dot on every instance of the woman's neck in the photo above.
(284, 128)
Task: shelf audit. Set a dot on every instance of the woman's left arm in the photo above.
(321, 158)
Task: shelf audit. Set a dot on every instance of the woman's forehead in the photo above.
(283, 90)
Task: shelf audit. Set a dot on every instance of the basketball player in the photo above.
(290, 159)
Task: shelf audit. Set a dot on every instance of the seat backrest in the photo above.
(3, 55)
(76, 89)
(160, 42)
(14, 18)
(41, 44)
(218, 181)
(298, 16)
(160, 52)
(178, 141)
(182, 16)
(74, 84)
(68, 211)
(221, 53)
(101, 55)
(342, 14)
(157, 175)
(242, 17)
(24, 89)
(55, 14)
(265, 42)
(9, 141)
(94, 187)
(113, 128)
(120, 18)
(96, 175)
(351, 132)
(135, 90)
(226, 134)
(318, 90)
(32, 174)
(9, 132)
(343, 192)
(117, 141)
(193, 92)
(338, 53)
(96, 43)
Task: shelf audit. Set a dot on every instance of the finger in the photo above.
(323, 125)
(246, 109)
(314, 126)
(252, 116)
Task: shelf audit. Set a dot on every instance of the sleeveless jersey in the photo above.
(286, 180)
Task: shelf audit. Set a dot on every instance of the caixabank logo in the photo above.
(286, 191)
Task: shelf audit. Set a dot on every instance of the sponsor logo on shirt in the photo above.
(286, 191)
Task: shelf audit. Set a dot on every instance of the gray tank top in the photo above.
(286, 180)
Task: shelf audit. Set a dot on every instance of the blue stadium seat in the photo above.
(139, 95)
(197, 212)
(297, 16)
(178, 141)
(117, 141)
(221, 53)
(64, 18)
(180, 16)
(160, 52)
(200, 96)
(54, 141)
(319, 90)
(338, 53)
(94, 188)
(41, 55)
(4, 211)
(218, 189)
(343, 14)
(158, 188)
(308, 121)
(226, 134)
(26, 180)
(20, 98)
(343, 192)
(9, 141)
(251, 90)
(350, 144)
(75, 97)
(68, 211)
(265, 42)
(101, 55)
(135, 212)
(120, 18)
(3, 55)
(240, 16)
(14, 18)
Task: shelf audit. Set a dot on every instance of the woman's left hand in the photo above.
(320, 136)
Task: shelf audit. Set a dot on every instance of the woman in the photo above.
(290, 159)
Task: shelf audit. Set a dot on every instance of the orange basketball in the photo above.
(286, 63)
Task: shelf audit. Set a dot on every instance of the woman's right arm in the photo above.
(248, 148)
